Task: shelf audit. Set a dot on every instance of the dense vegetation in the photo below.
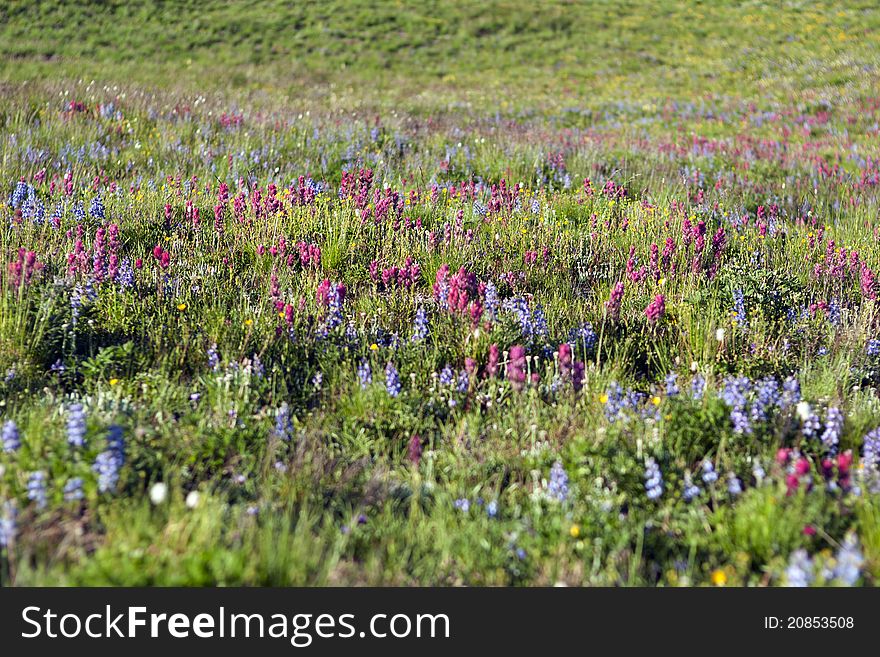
(488, 294)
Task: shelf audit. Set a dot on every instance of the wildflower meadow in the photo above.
(438, 295)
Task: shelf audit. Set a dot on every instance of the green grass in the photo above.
(711, 112)
(503, 54)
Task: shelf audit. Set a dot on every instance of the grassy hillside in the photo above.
(555, 52)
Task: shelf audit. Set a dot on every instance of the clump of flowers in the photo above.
(656, 309)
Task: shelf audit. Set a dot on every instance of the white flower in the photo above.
(192, 500)
(695, 366)
(803, 411)
(158, 493)
(719, 334)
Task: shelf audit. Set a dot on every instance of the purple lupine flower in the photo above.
(557, 486)
(653, 479)
(447, 376)
(791, 392)
(73, 489)
(420, 331)
(691, 490)
(739, 309)
(709, 474)
(490, 301)
(10, 436)
(800, 569)
(392, 380)
(7, 524)
(213, 357)
(849, 561)
(833, 427)
(76, 425)
(671, 382)
(108, 463)
(463, 381)
(283, 424)
(734, 485)
(365, 373)
(698, 386)
(36, 488)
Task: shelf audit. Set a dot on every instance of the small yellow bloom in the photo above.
(603, 398)
(719, 578)
(248, 322)
(374, 347)
(655, 400)
(113, 382)
(661, 282)
(181, 307)
(575, 531)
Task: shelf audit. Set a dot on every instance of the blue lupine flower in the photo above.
(698, 386)
(758, 472)
(447, 376)
(10, 436)
(791, 392)
(96, 209)
(125, 275)
(767, 397)
(742, 425)
(614, 403)
(734, 395)
(490, 301)
(520, 310)
(463, 381)
(76, 425)
(873, 347)
(583, 337)
(76, 297)
(812, 426)
(19, 194)
(557, 487)
(653, 479)
(691, 490)
(392, 380)
(671, 381)
(36, 488)
(492, 509)
(462, 504)
(849, 561)
(735, 391)
(7, 524)
(800, 569)
(734, 485)
(739, 309)
(539, 321)
(73, 489)
(283, 424)
(833, 427)
(420, 331)
(79, 212)
(110, 461)
(213, 357)
(834, 312)
(709, 474)
(871, 449)
(365, 373)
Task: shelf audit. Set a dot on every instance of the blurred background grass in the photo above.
(428, 54)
